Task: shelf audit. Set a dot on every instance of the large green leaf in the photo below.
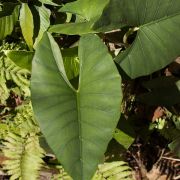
(7, 23)
(89, 10)
(157, 41)
(44, 14)
(78, 124)
(27, 25)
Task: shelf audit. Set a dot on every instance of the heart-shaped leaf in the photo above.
(158, 37)
(78, 124)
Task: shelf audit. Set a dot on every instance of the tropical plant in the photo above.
(76, 88)
(82, 111)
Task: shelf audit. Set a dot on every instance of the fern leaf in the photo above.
(108, 171)
(25, 121)
(21, 146)
(18, 75)
(62, 175)
(4, 91)
(24, 157)
(114, 170)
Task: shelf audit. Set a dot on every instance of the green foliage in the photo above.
(50, 2)
(21, 45)
(21, 58)
(156, 43)
(25, 156)
(11, 72)
(7, 23)
(71, 62)
(61, 175)
(84, 119)
(78, 118)
(6, 70)
(169, 129)
(21, 146)
(123, 138)
(19, 130)
(25, 122)
(81, 8)
(4, 91)
(110, 171)
(17, 75)
(44, 14)
(27, 24)
(86, 16)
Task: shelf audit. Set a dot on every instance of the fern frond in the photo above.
(62, 175)
(4, 91)
(21, 146)
(24, 156)
(25, 121)
(19, 76)
(19, 45)
(118, 170)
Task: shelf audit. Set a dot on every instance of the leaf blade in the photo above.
(154, 42)
(81, 111)
(89, 10)
(155, 45)
(27, 25)
(44, 14)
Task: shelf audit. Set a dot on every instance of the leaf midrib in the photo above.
(77, 98)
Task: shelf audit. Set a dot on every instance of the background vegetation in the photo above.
(89, 89)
